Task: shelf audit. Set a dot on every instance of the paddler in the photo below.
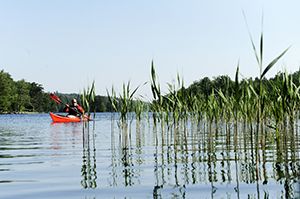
(74, 109)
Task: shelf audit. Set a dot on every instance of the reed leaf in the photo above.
(112, 98)
(237, 78)
(252, 41)
(272, 63)
(261, 42)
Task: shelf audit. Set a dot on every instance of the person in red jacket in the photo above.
(74, 109)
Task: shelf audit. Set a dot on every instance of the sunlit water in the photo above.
(39, 159)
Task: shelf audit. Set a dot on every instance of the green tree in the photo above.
(203, 86)
(40, 100)
(223, 83)
(7, 92)
(21, 101)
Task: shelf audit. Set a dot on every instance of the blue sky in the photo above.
(66, 44)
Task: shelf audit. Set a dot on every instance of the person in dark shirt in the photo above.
(74, 109)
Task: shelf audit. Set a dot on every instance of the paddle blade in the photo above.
(55, 98)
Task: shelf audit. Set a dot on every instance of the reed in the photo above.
(258, 104)
(139, 108)
(240, 103)
(259, 55)
(157, 104)
(88, 98)
(113, 99)
(125, 102)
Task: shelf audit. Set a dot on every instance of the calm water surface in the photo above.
(39, 159)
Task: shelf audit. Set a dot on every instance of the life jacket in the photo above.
(74, 110)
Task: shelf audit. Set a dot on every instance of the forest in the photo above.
(22, 96)
(25, 97)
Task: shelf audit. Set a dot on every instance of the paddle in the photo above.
(55, 98)
(59, 101)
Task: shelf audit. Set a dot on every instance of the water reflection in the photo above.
(88, 169)
(189, 159)
(129, 170)
(226, 159)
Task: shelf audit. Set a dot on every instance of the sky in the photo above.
(65, 45)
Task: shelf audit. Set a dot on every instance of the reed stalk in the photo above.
(88, 98)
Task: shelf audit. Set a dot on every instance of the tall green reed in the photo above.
(88, 98)
(125, 102)
(259, 55)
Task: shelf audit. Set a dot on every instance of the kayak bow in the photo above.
(60, 118)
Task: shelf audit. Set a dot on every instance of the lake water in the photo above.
(39, 159)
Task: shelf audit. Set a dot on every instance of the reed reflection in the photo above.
(210, 154)
(88, 169)
(126, 155)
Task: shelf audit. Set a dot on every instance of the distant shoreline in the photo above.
(19, 113)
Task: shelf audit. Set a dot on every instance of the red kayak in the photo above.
(61, 118)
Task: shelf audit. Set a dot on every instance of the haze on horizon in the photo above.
(65, 45)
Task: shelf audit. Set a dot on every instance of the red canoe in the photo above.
(60, 118)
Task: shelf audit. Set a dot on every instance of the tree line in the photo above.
(22, 96)
(100, 103)
(226, 85)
